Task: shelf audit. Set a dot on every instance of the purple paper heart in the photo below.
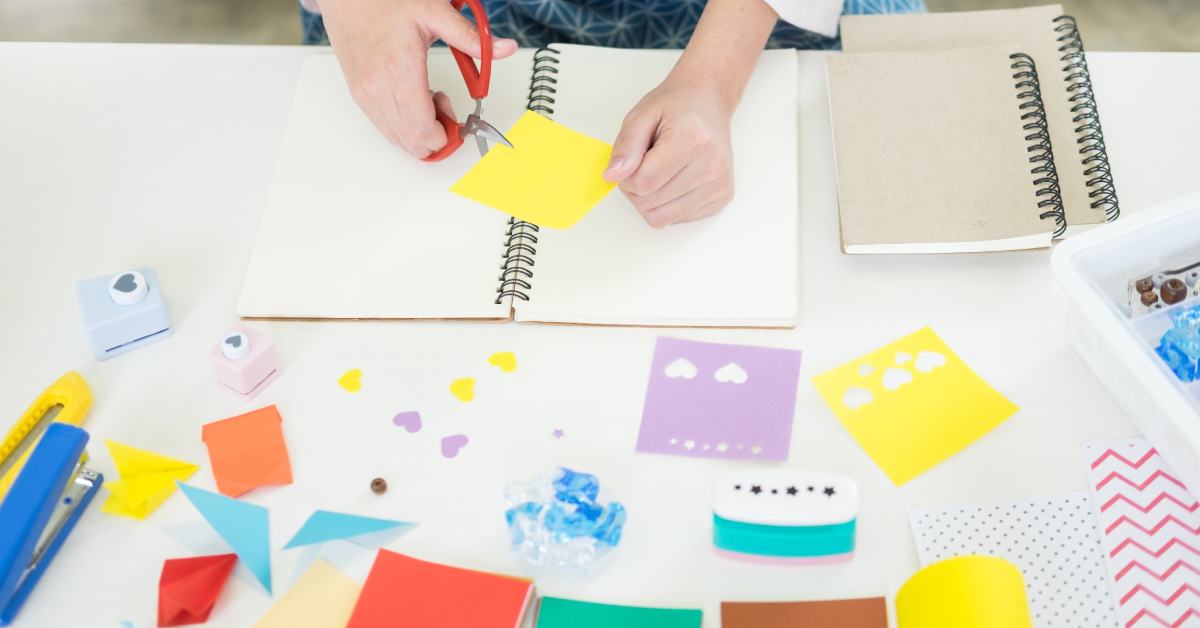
(410, 421)
(452, 444)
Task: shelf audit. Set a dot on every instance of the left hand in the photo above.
(673, 157)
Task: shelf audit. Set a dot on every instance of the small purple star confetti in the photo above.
(558, 432)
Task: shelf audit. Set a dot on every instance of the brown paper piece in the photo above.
(859, 613)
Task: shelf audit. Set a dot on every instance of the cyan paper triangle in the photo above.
(325, 526)
(243, 526)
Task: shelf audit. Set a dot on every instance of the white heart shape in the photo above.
(929, 360)
(865, 370)
(895, 378)
(902, 357)
(731, 373)
(856, 397)
(680, 368)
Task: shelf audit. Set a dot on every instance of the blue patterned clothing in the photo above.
(625, 23)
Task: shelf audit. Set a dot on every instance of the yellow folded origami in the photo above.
(147, 480)
(552, 176)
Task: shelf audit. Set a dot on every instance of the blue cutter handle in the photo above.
(26, 510)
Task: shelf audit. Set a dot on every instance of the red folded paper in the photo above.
(404, 591)
(189, 587)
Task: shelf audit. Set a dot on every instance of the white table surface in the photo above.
(116, 156)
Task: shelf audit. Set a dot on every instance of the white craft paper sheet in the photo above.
(1052, 540)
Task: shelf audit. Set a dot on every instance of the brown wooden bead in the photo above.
(379, 486)
(1145, 284)
(1173, 291)
(1149, 298)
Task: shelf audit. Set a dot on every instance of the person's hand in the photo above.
(672, 156)
(383, 46)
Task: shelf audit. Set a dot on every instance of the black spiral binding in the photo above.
(542, 87)
(1041, 154)
(521, 237)
(1083, 105)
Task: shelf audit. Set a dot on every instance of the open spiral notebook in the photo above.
(966, 131)
(355, 229)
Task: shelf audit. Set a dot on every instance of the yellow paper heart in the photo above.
(463, 388)
(505, 360)
(351, 380)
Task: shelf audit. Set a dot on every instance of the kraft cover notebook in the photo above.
(356, 229)
(966, 131)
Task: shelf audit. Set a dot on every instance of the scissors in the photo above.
(478, 80)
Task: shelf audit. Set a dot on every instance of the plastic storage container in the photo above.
(1094, 270)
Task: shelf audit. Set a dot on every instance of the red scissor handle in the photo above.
(477, 78)
(454, 137)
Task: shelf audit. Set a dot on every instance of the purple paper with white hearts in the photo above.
(713, 400)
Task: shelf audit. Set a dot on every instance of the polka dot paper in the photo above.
(1052, 540)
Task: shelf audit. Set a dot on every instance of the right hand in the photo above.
(383, 46)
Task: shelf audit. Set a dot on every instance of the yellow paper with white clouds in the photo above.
(322, 598)
(912, 404)
(147, 480)
(964, 592)
(552, 176)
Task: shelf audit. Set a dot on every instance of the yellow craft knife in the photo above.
(67, 400)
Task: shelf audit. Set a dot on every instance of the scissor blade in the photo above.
(489, 132)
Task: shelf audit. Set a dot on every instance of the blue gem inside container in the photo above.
(557, 520)
(1180, 345)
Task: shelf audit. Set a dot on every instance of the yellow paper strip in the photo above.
(322, 598)
(964, 592)
(552, 176)
(912, 404)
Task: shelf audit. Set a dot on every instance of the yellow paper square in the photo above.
(322, 598)
(909, 428)
(552, 176)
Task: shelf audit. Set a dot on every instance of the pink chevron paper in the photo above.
(1150, 529)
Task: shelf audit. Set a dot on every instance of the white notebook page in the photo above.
(356, 228)
(738, 268)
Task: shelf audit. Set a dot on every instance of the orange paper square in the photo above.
(248, 451)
